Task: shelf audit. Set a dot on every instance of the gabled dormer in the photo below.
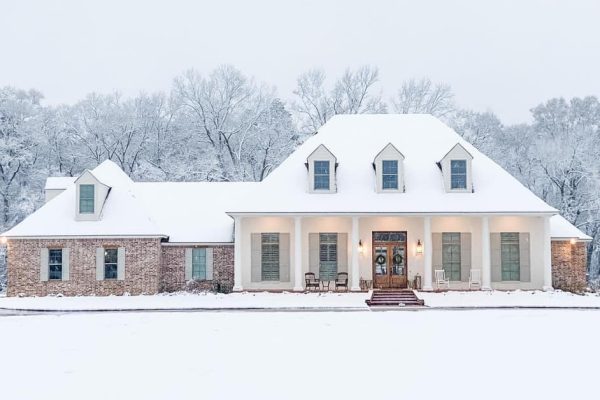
(321, 165)
(389, 170)
(457, 171)
(91, 195)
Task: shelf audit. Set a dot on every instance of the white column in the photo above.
(237, 255)
(298, 287)
(547, 255)
(355, 274)
(486, 264)
(427, 254)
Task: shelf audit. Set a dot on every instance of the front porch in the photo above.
(415, 246)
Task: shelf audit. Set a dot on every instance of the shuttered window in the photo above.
(390, 174)
(451, 255)
(321, 175)
(328, 257)
(199, 264)
(270, 256)
(510, 256)
(86, 199)
(111, 262)
(458, 174)
(55, 264)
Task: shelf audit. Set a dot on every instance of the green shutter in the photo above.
(100, 264)
(436, 252)
(256, 257)
(188, 264)
(121, 263)
(313, 253)
(284, 257)
(465, 256)
(525, 257)
(65, 264)
(342, 240)
(209, 263)
(44, 254)
(495, 257)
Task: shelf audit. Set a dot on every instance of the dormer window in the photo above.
(458, 171)
(390, 174)
(86, 199)
(456, 168)
(389, 166)
(321, 175)
(321, 165)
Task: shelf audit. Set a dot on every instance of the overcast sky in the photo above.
(504, 56)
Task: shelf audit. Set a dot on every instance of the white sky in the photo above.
(505, 56)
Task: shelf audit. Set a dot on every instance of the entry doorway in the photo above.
(389, 260)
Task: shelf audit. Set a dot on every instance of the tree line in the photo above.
(226, 126)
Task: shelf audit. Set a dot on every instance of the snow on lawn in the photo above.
(297, 300)
(515, 298)
(188, 300)
(491, 354)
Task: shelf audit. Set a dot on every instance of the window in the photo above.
(458, 174)
(110, 263)
(328, 256)
(270, 256)
(55, 264)
(199, 264)
(390, 174)
(451, 255)
(321, 175)
(510, 257)
(86, 199)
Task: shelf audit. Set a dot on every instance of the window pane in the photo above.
(55, 264)
(510, 256)
(390, 181)
(110, 263)
(270, 256)
(458, 174)
(390, 167)
(327, 256)
(86, 199)
(199, 264)
(451, 255)
(322, 175)
(390, 174)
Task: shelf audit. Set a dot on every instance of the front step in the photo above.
(394, 298)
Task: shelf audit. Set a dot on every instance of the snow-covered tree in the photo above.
(424, 97)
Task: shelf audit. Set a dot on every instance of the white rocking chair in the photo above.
(440, 278)
(475, 278)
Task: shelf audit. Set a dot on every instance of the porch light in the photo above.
(573, 241)
(2, 239)
(419, 247)
(360, 246)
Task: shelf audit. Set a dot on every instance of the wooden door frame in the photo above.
(389, 245)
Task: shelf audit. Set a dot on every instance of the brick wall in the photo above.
(173, 270)
(569, 265)
(142, 267)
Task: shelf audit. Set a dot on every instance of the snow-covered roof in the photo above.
(197, 212)
(59, 182)
(355, 140)
(560, 228)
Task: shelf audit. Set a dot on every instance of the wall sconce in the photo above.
(419, 247)
(360, 246)
(3, 240)
(573, 241)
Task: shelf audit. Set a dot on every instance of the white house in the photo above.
(384, 198)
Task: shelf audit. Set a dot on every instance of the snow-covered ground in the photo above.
(492, 354)
(298, 300)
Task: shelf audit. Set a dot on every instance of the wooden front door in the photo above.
(389, 260)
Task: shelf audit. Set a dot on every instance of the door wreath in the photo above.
(380, 259)
(397, 259)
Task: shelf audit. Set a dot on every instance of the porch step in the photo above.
(394, 298)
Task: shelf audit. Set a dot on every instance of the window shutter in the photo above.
(524, 257)
(256, 257)
(436, 247)
(100, 264)
(465, 256)
(43, 264)
(313, 253)
(495, 257)
(284, 257)
(209, 263)
(121, 263)
(65, 264)
(188, 264)
(342, 254)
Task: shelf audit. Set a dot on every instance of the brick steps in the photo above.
(387, 298)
